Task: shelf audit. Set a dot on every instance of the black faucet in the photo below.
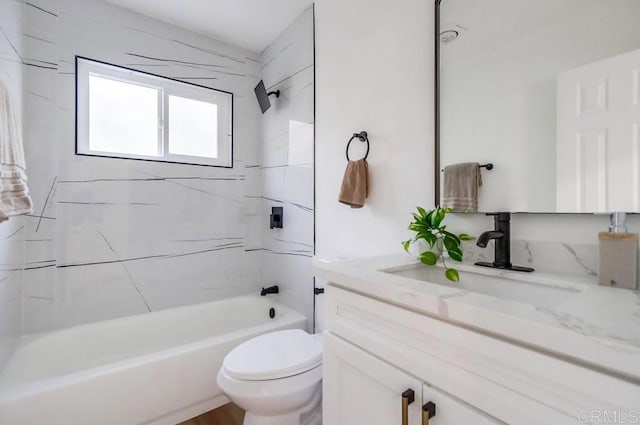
(270, 290)
(501, 234)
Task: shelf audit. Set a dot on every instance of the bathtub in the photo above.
(157, 368)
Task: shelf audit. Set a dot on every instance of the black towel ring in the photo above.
(362, 136)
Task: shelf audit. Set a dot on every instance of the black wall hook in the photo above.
(363, 137)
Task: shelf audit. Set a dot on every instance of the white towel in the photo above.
(14, 194)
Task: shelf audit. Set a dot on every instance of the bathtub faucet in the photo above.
(270, 290)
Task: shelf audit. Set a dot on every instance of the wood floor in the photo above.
(229, 414)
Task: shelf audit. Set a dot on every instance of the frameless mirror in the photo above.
(548, 92)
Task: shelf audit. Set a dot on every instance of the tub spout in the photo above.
(270, 290)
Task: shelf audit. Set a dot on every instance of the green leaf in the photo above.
(418, 227)
(429, 258)
(465, 237)
(430, 238)
(438, 217)
(406, 245)
(429, 218)
(450, 243)
(452, 275)
(455, 254)
(455, 249)
(422, 212)
(452, 236)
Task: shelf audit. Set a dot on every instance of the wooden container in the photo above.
(618, 265)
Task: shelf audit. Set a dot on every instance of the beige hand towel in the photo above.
(14, 194)
(355, 184)
(461, 183)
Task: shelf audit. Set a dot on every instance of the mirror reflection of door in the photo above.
(598, 136)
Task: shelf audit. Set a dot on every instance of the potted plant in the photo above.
(428, 227)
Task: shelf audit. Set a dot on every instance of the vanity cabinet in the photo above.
(376, 349)
(362, 389)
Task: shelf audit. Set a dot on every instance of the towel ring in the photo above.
(362, 136)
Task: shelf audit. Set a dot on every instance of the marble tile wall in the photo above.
(114, 237)
(543, 256)
(287, 169)
(11, 245)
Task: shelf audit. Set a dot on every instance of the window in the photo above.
(122, 113)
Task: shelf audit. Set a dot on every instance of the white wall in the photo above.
(11, 245)
(117, 237)
(374, 72)
(287, 164)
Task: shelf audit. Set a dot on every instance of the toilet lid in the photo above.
(274, 355)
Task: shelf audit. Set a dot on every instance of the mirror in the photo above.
(548, 92)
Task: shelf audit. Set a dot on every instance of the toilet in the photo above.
(276, 378)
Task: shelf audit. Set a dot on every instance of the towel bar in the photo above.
(488, 166)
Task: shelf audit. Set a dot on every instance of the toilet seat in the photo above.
(275, 355)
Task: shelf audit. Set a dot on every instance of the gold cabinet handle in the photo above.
(428, 412)
(408, 397)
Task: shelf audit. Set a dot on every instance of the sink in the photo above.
(515, 286)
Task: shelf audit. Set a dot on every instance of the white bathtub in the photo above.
(157, 368)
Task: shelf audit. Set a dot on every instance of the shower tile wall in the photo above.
(287, 163)
(118, 237)
(12, 231)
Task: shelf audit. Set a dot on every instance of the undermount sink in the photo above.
(521, 288)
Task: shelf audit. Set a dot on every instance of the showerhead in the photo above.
(263, 96)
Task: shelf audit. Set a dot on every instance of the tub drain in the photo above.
(272, 312)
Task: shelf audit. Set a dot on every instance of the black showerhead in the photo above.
(263, 96)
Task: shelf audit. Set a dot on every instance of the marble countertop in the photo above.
(599, 326)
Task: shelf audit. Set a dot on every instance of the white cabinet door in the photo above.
(598, 151)
(359, 388)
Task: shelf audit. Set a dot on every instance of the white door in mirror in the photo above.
(598, 151)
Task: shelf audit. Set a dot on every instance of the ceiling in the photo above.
(250, 24)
